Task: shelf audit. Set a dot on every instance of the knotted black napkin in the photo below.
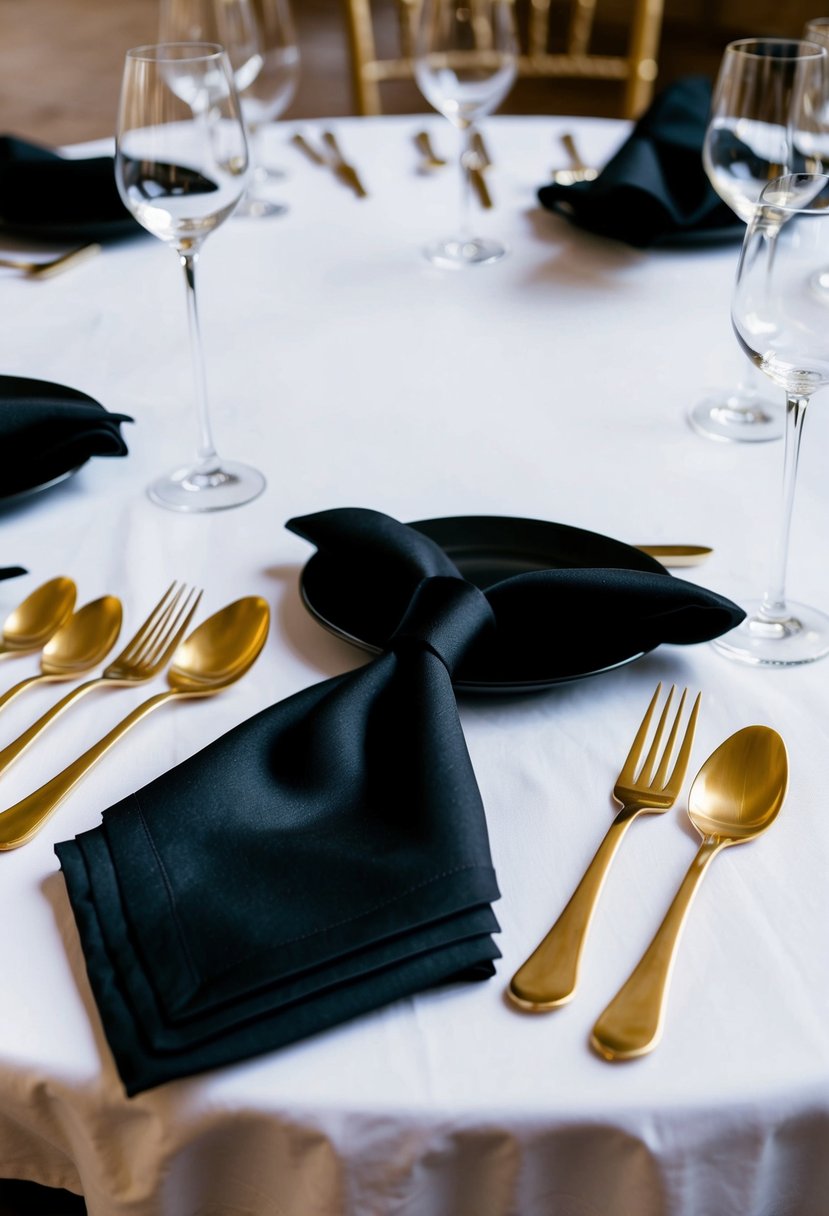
(59, 198)
(655, 189)
(330, 854)
(47, 430)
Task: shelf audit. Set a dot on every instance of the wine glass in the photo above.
(765, 111)
(259, 37)
(465, 64)
(780, 314)
(181, 167)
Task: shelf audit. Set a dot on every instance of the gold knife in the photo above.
(677, 555)
(344, 171)
(300, 142)
(478, 184)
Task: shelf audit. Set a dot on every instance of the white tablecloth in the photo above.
(552, 385)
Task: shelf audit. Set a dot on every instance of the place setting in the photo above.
(365, 770)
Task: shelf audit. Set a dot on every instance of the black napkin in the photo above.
(53, 197)
(47, 430)
(655, 189)
(329, 855)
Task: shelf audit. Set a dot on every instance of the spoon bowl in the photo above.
(32, 622)
(736, 796)
(221, 649)
(217, 653)
(78, 644)
(723, 804)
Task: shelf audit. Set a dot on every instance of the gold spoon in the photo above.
(219, 652)
(736, 795)
(79, 644)
(34, 621)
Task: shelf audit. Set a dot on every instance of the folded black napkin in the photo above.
(330, 854)
(12, 571)
(655, 189)
(53, 197)
(47, 430)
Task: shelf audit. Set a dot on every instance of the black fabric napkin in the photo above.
(53, 197)
(47, 430)
(329, 855)
(655, 189)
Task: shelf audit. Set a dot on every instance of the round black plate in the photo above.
(487, 549)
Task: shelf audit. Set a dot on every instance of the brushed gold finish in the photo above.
(142, 658)
(480, 149)
(550, 975)
(30, 625)
(82, 641)
(677, 555)
(431, 160)
(736, 796)
(341, 167)
(578, 171)
(478, 183)
(216, 654)
(45, 270)
(299, 141)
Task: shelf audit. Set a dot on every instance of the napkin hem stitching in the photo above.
(195, 975)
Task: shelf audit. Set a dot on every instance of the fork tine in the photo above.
(158, 629)
(628, 773)
(176, 629)
(137, 640)
(681, 767)
(649, 761)
(661, 775)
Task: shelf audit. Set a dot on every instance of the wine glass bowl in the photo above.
(780, 314)
(465, 64)
(181, 167)
(764, 122)
(260, 40)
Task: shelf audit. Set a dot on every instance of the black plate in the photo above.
(487, 549)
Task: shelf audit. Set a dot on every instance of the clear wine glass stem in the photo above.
(206, 453)
(468, 159)
(774, 600)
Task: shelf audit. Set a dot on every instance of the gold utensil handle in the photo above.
(16, 689)
(23, 820)
(300, 142)
(549, 976)
(570, 148)
(677, 555)
(631, 1025)
(480, 187)
(22, 742)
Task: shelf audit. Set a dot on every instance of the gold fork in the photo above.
(549, 976)
(142, 657)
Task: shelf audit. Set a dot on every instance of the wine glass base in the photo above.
(259, 209)
(738, 418)
(802, 637)
(464, 251)
(191, 490)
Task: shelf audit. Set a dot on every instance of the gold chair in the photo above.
(636, 69)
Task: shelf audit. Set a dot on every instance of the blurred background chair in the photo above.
(558, 41)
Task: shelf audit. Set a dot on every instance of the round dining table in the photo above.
(552, 385)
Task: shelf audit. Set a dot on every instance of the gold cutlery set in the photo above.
(735, 796)
(331, 157)
(475, 164)
(216, 654)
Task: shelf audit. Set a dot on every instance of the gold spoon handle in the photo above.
(16, 689)
(549, 976)
(19, 745)
(631, 1024)
(23, 820)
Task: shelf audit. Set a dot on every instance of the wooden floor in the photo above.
(61, 60)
